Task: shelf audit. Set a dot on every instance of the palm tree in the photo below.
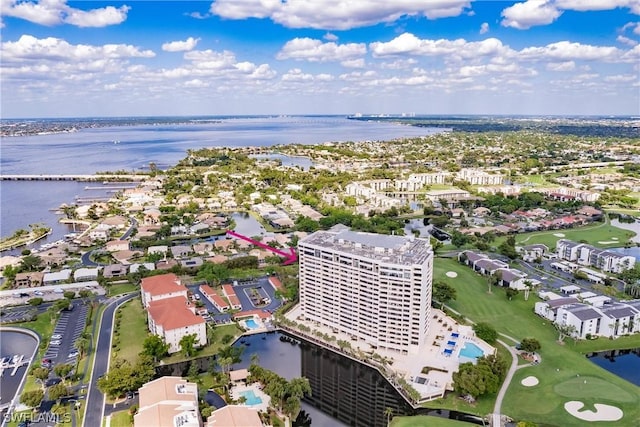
(388, 412)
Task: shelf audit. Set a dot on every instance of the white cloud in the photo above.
(181, 46)
(55, 12)
(336, 14)
(561, 66)
(50, 48)
(353, 63)
(398, 64)
(626, 40)
(457, 49)
(565, 50)
(296, 75)
(484, 28)
(622, 78)
(316, 51)
(532, 13)
(330, 37)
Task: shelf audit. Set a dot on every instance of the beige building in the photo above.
(234, 416)
(173, 318)
(375, 288)
(168, 402)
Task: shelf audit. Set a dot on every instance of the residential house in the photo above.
(584, 318)
(549, 309)
(114, 270)
(100, 232)
(56, 277)
(30, 279)
(193, 262)
(230, 293)
(180, 251)
(619, 319)
(166, 264)
(168, 402)
(149, 266)
(162, 250)
(203, 248)
(531, 253)
(151, 216)
(85, 274)
(512, 278)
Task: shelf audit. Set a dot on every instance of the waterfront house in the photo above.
(161, 249)
(180, 251)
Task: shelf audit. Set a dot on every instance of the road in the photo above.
(95, 399)
(134, 225)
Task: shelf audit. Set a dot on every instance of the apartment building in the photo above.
(479, 177)
(160, 287)
(168, 402)
(375, 288)
(588, 255)
(173, 318)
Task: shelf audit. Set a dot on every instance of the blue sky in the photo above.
(117, 58)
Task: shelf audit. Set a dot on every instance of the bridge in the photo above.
(54, 177)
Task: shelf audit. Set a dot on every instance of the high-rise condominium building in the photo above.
(373, 287)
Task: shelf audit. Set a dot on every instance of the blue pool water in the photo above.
(471, 351)
(251, 397)
(251, 324)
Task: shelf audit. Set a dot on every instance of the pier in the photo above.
(58, 177)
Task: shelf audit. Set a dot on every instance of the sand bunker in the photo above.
(607, 242)
(451, 274)
(558, 234)
(602, 412)
(614, 238)
(529, 381)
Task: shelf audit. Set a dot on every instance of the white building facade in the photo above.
(375, 288)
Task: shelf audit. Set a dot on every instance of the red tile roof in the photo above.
(162, 284)
(213, 296)
(231, 295)
(173, 313)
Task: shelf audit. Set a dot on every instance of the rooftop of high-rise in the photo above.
(403, 250)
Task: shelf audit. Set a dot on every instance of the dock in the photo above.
(58, 177)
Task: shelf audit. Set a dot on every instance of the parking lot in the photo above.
(68, 329)
(242, 292)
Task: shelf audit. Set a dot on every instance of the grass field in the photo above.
(561, 365)
(122, 288)
(120, 419)
(132, 330)
(602, 235)
(426, 421)
(214, 345)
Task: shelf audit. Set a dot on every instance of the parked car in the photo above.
(38, 293)
(55, 342)
(73, 354)
(56, 337)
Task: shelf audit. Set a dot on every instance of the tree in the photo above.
(58, 391)
(32, 398)
(388, 412)
(475, 380)
(443, 293)
(564, 331)
(156, 347)
(459, 239)
(41, 374)
(493, 279)
(485, 332)
(508, 248)
(63, 370)
(255, 359)
(30, 263)
(528, 286)
(187, 345)
(530, 345)
(125, 377)
(193, 371)
(510, 292)
(82, 345)
(225, 364)
(69, 294)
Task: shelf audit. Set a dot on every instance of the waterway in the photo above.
(133, 148)
(14, 343)
(623, 363)
(344, 392)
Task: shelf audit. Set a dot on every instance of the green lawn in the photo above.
(132, 330)
(561, 365)
(120, 419)
(426, 421)
(601, 235)
(214, 345)
(122, 288)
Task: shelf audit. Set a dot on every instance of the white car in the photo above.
(56, 342)
(56, 337)
(38, 293)
(73, 354)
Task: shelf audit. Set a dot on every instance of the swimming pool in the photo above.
(471, 351)
(251, 397)
(251, 324)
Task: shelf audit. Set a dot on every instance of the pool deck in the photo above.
(409, 366)
(256, 388)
